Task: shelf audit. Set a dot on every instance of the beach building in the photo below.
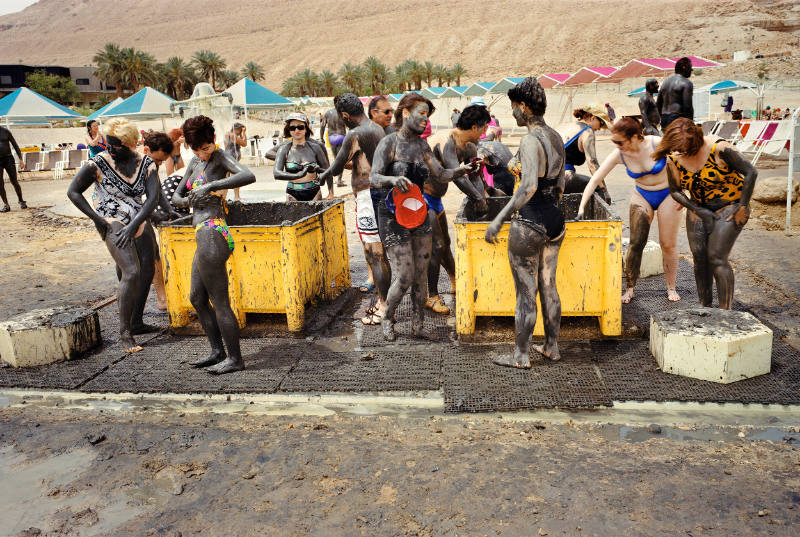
(12, 77)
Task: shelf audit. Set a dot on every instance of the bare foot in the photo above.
(672, 295)
(552, 355)
(144, 328)
(518, 360)
(228, 365)
(628, 295)
(215, 357)
(388, 329)
(128, 344)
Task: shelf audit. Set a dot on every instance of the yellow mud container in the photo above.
(286, 254)
(589, 274)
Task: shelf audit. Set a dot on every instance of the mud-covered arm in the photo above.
(344, 155)
(14, 145)
(735, 161)
(86, 177)
(152, 189)
(179, 198)
(321, 155)
(238, 174)
(529, 149)
(470, 184)
(660, 101)
(280, 163)
(440, 173)
(643, 111)
(383, 157)
(322, 124)
(597, 178)
(673, 176)
(590, 150)
(686, 98)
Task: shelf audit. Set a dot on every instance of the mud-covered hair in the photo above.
(158, 141)
(348, 103)
(409, 101)
(530, 93)
(682, 135)
(627, 127)
(683, 65)
(198, 130)
(651, 85)
(472, 115)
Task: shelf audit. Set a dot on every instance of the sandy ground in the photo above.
(492, 40)
(151, 474)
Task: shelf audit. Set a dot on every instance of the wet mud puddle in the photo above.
(621, 433)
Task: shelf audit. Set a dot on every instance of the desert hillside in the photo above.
(490, 38)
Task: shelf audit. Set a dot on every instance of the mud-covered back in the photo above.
(596, 209)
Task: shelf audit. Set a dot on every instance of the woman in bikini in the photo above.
(120, 177)
(94, 139)
(650, 196)
(299, 162)
(209, 175)
(580, 144)
(719, 182)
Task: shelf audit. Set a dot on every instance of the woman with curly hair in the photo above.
(209, 175)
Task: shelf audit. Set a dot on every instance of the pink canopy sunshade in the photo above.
(549, 80)
(586, 75)
(698, 62)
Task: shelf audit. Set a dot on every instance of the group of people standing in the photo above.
(398, 178)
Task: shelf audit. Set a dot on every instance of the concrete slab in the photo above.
(48, 335)
(711, 344)
(652, 260)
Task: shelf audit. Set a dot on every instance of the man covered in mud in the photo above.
(452, 148)
(675, 98)
(8, 165)
(336, 132)
(358, 147)
(647, 106)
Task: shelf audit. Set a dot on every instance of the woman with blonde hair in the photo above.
(120, 177)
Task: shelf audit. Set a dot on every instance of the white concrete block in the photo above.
(711, 344)
(652, 260)
(48, 335)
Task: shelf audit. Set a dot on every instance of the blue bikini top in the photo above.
(657, 168)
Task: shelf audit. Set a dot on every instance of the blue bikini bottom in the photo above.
(653, 197)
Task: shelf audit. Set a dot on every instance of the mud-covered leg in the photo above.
(127, 261)
(401, 260)
(421, 244)
(551, 302)
(437, 250)
(145, 249)
(697, 237)
(524, 249)
(376, 260)
(198, 296)
(446, 259)
(335, 150)
(720, 243)
(640, 218)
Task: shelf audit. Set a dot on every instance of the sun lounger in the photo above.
(774, 140)
(32, 160)
(708, 127)
(751, 132)
(728, 130)
(49, 161)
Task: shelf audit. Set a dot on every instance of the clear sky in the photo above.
(12, 6)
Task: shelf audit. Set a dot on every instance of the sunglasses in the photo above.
(388, 111)
(297, 128)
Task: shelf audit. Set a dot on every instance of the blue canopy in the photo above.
(146, 103)
(725, 86)
(97, 113)
(433, 93)
(254, 95)
(506, 84)
(25, 104)
(479, 89)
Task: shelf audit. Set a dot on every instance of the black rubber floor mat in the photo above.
(164, 367)
(365, 371)
(631, 374)
(472, 383)
(438, 328)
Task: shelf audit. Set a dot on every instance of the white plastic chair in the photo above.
(774, 143)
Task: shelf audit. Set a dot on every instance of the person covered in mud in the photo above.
(8, 165)
(580, 144)
(299, 161)
(651, 195)
(719, 182)
(675, 97)
(209, 175)
(358, 147)
(401, 166)
(121, 176)
(336, 131)
(537, 227)
(496, 156)
(453, 147)
(380, 111)
(651, 119)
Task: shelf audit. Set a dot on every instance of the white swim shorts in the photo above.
(366, 222)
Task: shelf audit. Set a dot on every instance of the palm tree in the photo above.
(109, 66)
(351, 76)
(179, 75)
(138, 67)
(439, 72)
(209, 64)
(458, 71)
(309, 82)
(291, 86)
(328, 82)
(253, 71)
(416, 71)
(376, 74)
(228, 78)
(429, 70)
(402, 78)
(448, 76)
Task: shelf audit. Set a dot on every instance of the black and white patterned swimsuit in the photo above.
(115, 197)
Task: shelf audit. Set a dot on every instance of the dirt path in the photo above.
(234, 475)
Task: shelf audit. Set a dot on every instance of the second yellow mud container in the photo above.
(286, 254)
(589, 274)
